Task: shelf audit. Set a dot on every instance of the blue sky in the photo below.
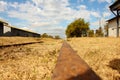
(53, 16)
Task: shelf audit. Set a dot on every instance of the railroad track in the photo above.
(71, 67)
(20, 44)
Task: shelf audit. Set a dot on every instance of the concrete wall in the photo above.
(19, 32)
(4, 29)
(112, 32)
(7, 30)
(1, 29)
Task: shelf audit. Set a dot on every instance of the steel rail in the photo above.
(71, 67)
(19, 44)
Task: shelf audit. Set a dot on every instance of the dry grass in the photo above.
(36, 61)
(102, 54)
(30, 62)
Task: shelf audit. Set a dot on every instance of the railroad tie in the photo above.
(71, 67)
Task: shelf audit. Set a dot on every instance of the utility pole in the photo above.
(99, 22)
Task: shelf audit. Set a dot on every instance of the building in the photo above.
(7, 30)
(112, 27)
(115, 9)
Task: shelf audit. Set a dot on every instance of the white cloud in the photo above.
(106, 14)
(1, 18)
(44, 24)
(78, 1)
(99, 23)
(82, 14)
(48, 14)
(51, 10)
(56, 31)
(95, 14)
(37, 2)
(3, 6)
(26, 28)
(82, 7)
(108, 1)
(95, 23)
(91, 0)
(14, 5)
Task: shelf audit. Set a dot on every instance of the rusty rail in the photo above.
(71, 67)
(20, 44)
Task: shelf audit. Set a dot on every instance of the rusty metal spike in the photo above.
(71, 67)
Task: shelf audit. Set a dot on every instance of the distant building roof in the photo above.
(112, 19)
(2, 21)
(5, 22)
(23, 29)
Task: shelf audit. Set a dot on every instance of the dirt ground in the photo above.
(37, 61)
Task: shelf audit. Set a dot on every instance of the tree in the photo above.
(44, 35)
(90, 33)
(49, 36)
(106, 30)
(99, 32)
(57, 37)
(77, 28)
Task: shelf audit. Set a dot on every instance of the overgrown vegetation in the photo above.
(37, 61)
(29, 62)
(90, 33)
(102, 55)
(106, 30)
(99, 32)
(80, 28)
(45, 35)
(77, 28)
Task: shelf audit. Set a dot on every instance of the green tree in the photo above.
(90, 33)
(99, 32)
(77, 28)
(57, 37)
(44, 35)
(49, 36)
(106, 30)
